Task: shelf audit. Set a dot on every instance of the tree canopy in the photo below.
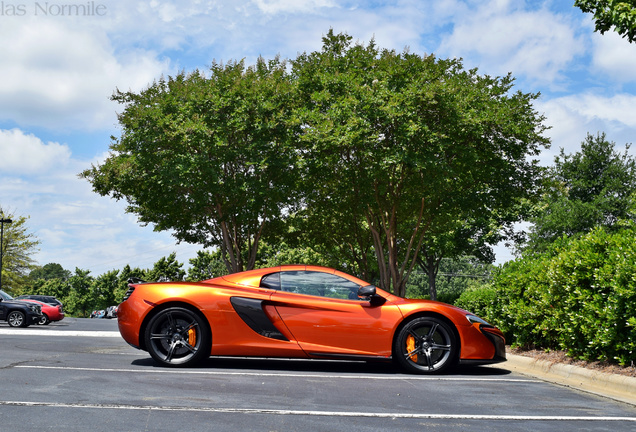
(18, 247)
(377, 156)
(590, 188)
(409, 148)
(619, 14)
(206, 156)
(50, 271)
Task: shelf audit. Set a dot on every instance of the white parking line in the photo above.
(320, 413)
(282, 374)
(36, 332)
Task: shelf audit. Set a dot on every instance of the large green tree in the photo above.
(406, 146)
(619, 14)
(206, 265)
(18, 247)
(206, 157)
(167, 269)
(104, 290)
(80, 299)
(593, 187)
(50, 271)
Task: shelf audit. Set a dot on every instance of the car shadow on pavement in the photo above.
(323, 366)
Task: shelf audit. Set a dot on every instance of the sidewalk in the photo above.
(618, 387)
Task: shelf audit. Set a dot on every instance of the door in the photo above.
(324, 314)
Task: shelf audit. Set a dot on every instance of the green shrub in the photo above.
(481, 301)
(579, 297)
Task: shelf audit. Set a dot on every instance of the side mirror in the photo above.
(366, 291)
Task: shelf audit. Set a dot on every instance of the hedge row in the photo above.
(580, 297)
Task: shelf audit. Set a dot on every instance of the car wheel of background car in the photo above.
(425, 345)
(177, 337)
(44, 320)
(16, 319)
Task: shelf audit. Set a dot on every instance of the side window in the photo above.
(319, 284)
(271, 281)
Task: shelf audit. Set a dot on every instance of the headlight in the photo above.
(35, 309)
(475, 319)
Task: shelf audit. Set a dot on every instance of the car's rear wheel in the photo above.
(177, 336)
(425, 345)
(16, 319)
(44, 320)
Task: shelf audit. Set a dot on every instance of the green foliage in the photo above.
(103, 291)
(206, 157)
(50, 271)
(406, 148)
(82, 293)
(328, 235)
(579, 297)
(381, 154)
(454, 277)
(588, 189)
(206, 265)
(482, 301)
(619, 14)
(17, 247)
(166, 269)
(281, 253)
(79, 300)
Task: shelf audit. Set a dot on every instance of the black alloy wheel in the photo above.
(177, 336)
(425, 345)
(16, 319)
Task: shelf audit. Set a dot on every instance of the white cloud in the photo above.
(60, 74)
(619, 109)
(572, 117)
(76, 227)
(614, 57)
(500, 38)
(26, 154)
(292, 6)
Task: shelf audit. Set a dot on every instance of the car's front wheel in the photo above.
(425, 345)
(16, 319)
(177, 336)
(44, 320)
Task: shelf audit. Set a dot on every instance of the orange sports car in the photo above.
(299, 311)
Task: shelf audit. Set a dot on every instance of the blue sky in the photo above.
(57, 72)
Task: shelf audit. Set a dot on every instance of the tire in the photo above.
(44, 320)
(177, 336)
(17, 319)
(425, 345)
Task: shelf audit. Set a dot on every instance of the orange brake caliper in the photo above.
(192, 337)
(410, 347)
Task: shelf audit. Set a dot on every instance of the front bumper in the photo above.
(33, 318)
(488, 347)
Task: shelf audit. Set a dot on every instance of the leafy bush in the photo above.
(482, 301)
(579, 297)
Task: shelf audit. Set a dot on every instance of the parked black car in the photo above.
(18, 313)
(42, 298)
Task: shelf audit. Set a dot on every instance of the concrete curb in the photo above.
(618, 387)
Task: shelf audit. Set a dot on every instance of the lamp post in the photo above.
(2, 222)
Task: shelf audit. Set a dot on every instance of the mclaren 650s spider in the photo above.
(299, 311)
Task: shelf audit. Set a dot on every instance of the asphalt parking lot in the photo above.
(79, 375)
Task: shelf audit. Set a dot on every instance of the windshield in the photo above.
(5, 296)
